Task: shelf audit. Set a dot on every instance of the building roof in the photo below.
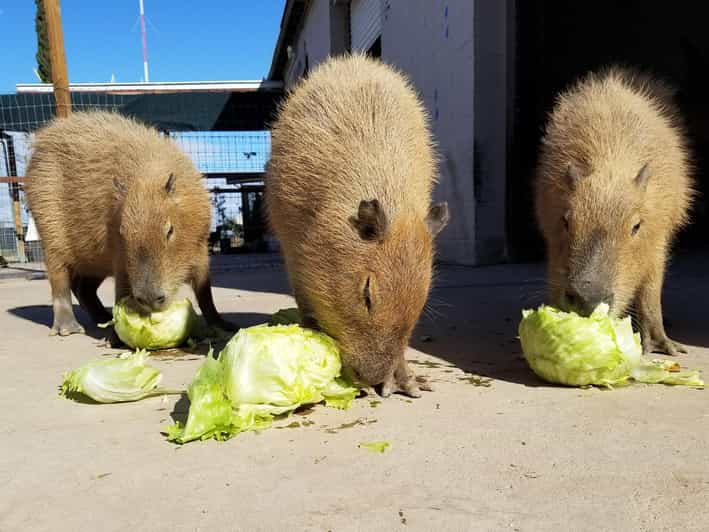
(293, 15)
(184, 110)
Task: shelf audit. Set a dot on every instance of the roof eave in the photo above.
(174, 86)
(290, 24)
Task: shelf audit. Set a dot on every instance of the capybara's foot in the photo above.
(405, 381)
(664, 346)
(112, 340)
(65, 327)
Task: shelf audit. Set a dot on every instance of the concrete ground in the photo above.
(492, 448)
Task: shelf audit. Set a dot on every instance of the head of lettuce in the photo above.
(157, 330)
(565, 348)
(263, 371)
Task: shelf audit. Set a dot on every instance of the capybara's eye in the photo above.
(170, 231)
(367, 296)
(635, 229)
(565, 221)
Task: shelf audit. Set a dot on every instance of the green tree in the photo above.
(44, 65)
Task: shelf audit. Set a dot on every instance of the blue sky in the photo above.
(187, 40)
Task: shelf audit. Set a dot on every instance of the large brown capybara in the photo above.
(613, 188)
(111, 197)
(348, 194)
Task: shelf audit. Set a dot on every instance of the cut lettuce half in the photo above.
(157, 330)
(264, 371)
(565, 348)
(115, 380)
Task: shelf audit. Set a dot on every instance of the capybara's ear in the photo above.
(438, 217)
(642, 178)
(170, 185)
(370, 221)
(120, 186)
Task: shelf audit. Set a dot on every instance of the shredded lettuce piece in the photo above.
(666, 372)
(157, 330)
(263, 372)
(565, 348)
(375, 446)
(115, 380)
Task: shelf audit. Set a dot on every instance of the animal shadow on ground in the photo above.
(43, 315)
(471, 320)
(474, 314)
(181, 410)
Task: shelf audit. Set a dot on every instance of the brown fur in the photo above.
(599, 136)
(355, 132)
(100, 190)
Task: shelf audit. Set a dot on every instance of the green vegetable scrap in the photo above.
(261, 373)
(565, 348)
(115, 380)
(375, 446)
(158, 330)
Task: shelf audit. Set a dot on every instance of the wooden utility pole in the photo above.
(60, 78)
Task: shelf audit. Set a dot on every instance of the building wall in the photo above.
(492, 94)
(432, 42)
(313, 41)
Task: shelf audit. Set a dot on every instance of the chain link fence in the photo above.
(232, 161)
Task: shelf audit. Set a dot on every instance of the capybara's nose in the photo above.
(585, 302)
(152, 301)
(157, 300)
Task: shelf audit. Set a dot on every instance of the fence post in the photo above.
(60, 78)
(14, 187)
(19, 231)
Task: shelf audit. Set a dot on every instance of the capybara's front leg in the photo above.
(64, 320)
(202, 286)
(84, 289)
(649, 307)
(122, 289)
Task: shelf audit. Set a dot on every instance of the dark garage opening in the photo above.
(557, 41)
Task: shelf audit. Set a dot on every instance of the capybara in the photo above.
(613, 187)
(111, 197)
(348, 195)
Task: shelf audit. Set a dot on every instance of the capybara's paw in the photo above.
(388, 387)
(405, 382)
(111, 340)
(663, 346)
(66, 327)
(410, 387)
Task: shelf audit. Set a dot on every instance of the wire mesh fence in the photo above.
(232, 159)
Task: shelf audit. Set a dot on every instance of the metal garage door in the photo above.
(365, 23)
